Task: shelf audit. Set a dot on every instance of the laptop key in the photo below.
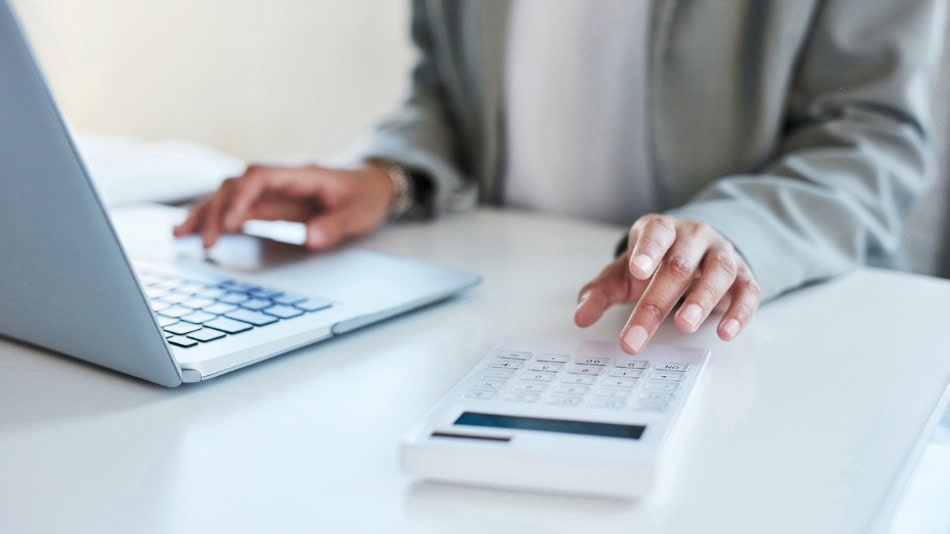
(206, 334)
(219, 308)
(313, 304)
(165, 321)
(252, 317)
(228, 326)
(264, 293)
(284, 312)
(176, 312)
(289, 299)
(182, 341)
(256, 304)
(232, 298)
(199, 317)
(181, 329)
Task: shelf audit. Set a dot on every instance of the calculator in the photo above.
(558, 415)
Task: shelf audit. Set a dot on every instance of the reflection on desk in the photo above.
(805, 422)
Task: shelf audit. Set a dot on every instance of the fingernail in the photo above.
(635, 338)
(691, 314)
(731, 328)
(316, 238)
(643, 262)
(583, 299)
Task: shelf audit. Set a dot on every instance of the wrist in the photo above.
(401, 186)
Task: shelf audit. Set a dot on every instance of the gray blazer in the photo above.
(799, 129)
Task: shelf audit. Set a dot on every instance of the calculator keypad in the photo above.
(566, 380)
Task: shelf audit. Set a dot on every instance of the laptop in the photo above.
(68, 285)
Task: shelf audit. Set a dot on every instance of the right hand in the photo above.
(334, 204)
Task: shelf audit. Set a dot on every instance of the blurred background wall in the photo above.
(280, 78)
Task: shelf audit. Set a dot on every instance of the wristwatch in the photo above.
(405, 190)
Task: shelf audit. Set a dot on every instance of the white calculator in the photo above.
(564, 416)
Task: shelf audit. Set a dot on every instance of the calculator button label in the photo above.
(624, 383)
(506, 364)
(578, 379)
(570, 389)
(489, 384)
(515, 355)
(592, 361)
(546, 367)
(632, 364)
(613, 404)
(613, 393)
(530, 387)
(672, 366)
(539, 376)
(591, 370)
(553, 358)
(563, 400)
(668, 375)
(626, 373)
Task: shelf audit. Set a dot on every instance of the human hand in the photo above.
(334, 204)
(668, 257)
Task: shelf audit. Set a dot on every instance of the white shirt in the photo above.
(575, 100)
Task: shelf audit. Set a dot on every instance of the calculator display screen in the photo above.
(563, 426)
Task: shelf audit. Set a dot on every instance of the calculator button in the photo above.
(626, 373)
(539, 376)
(514, 355)
(498, 373)
(591, 370)
(676, 376)
(592, 361)
(658, 407)
(562, 400)
(623, 383)
(553, 358)
(522, 397)
(579, 380)
(545, 366)
(489, 384)
(570, 389)
(500, 363)
(601, 402)
(632, 364)
(530, 387)
(479, 394)
(612, 393)
(661, 385)
(654, 397)
(672, 366)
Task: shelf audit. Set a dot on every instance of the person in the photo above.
(752, 147)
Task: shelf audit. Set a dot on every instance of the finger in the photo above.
(719, 268)
(331, 228)
(612, 286)
(212, 220)
(249, 189)
(651, 242)
(194, 220)
(745, 301)
(672, 279)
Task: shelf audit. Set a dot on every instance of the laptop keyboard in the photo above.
(191, 312)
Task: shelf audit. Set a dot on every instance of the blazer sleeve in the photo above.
(855, 154)
(422, 134)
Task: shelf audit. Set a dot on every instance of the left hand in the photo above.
(668, 258)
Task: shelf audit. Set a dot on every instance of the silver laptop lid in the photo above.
(65, 283)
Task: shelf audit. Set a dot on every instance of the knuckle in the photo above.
(679, 267)
(725, 262)
(706, 295)
(652, 309)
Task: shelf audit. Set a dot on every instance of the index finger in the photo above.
(651, 237)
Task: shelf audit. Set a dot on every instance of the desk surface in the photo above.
(804, 422)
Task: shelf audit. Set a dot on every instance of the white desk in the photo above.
(806, 419)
